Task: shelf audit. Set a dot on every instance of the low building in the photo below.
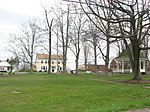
(81, 67)
(42, 60)
(4, 66)
(121, 64)
(92, 68)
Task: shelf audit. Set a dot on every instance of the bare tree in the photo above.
(131, 18)
(103, 26)
(62, 17)
(132, 13)
(86, 49)
(14, 62)
(103, 29)
(118, 46)
(92, 37)
(24, 45)
(48, 30)
(76, 35)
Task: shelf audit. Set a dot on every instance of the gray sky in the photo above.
(13, 13)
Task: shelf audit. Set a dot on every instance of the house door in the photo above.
(53, 69)
(142, 66)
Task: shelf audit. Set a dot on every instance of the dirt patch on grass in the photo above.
(125, 82)
(140, 110)
(136, 82)
(5, 75)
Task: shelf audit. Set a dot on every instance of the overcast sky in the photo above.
(13, 13)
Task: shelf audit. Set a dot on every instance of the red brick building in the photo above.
(92, 68)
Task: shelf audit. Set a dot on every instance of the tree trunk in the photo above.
(64, 63)
(49, 62)
(95, 54)
(135, 63)
(86, 51)
(107, 56)
(76, 72)
(95, 59)
(85, 64)
(49, 58)
(65, 41)
(50, 41)
(31, 65)
(77, 61)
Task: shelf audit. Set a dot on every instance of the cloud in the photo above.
(21, 7)
(9, 17)
(13, 13)
(9, 23)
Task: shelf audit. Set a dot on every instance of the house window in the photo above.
(142, 65)
(41, 61)
(43, 67)
(97, 67)
(58, 62)
(120, 65)
(60, 68)
(53, 68)
(126, 65)
(45, 61)
(52, 62)
(7, 68)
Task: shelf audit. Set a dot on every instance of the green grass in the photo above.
(66, 93)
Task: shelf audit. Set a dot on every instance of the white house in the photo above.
(4, 66)
(121, 64)
(42, 60)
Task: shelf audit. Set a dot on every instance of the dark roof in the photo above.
(124, 54)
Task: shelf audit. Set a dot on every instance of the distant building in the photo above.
(121, 64)
(81, 67)
(4, 66)
(92, 68)
(41, 63)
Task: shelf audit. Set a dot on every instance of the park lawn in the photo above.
(69, 93)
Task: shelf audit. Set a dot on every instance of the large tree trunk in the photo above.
(49, 58)
(135, 64)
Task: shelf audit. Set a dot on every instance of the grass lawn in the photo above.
(68, 93)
